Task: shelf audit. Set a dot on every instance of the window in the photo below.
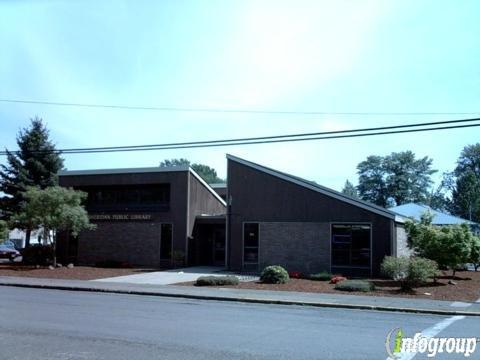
(250, 243)
(166, 237)
(351, 245)
(142, 197)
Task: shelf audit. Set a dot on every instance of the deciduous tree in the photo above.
(54, 209)
(449, 246)
(207, 173)
(465, 200)
(395, 179)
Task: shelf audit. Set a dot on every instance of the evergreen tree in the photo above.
(350, 190)
(35, 164)
(466, 184)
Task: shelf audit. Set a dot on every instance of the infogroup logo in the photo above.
(398, 345)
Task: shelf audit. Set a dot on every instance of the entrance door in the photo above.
(219, 246)
(166, 238)
(351, 247)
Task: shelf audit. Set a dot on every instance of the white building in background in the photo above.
(18, 237)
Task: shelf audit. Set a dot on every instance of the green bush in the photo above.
(410, 272)
(355, 285)
(321, 276)
(38, 255)
(217, 280)
(449, 246)
(421, 270)
(395, 268)
(274, 274)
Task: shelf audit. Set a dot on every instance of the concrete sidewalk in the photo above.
(255, 296)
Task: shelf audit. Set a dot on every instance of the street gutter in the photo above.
(259, 297)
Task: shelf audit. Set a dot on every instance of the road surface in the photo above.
(58, 325)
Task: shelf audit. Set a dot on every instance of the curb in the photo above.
(249, 300)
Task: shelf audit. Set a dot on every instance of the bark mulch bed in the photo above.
(76, 273)
(467, 287)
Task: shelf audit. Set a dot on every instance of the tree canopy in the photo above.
(54, 209)
(465, 201)
(395, 179)
(350, 190)
(207, 173)
(3, 231)
(36, 164)
(450, 246)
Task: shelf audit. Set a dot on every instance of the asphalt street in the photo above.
(54, 325)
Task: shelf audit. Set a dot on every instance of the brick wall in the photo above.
(137, 243)
(297, 246)
(402, 244)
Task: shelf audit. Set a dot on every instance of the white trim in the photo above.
(315, 187)
(209, 188)
(123, 171)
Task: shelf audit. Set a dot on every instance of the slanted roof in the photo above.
(122, 171)
(415, 211)
(318, 188)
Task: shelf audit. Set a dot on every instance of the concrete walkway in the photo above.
(166, 277)
(254, 296)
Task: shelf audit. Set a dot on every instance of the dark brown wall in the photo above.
(260, 197)
(138, 242)
(201, 201)
(222, 191)
(109, 241)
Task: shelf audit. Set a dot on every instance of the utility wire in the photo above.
(220, 110)
(256, 141)
(279, 140)
(273, 136)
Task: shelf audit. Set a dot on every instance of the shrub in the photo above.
(217, 280)
(421, 270)
(410, 272)
(449, 246)
(274, 274)
(475, 252)
(321, 276)
(38, 255)
(395, 268)
(355, 285)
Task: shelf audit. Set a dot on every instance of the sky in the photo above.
(324, 56)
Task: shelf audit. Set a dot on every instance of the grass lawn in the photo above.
(77, 273)
(467, 287)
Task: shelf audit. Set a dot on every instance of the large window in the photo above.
(166, 237)
(351, 245)
(250, 243)
(124, 198)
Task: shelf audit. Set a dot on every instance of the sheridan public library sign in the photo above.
(120, 217)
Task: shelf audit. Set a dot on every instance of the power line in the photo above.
(277, 141)
(273, 136)
(220, 110)
(273, 139)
